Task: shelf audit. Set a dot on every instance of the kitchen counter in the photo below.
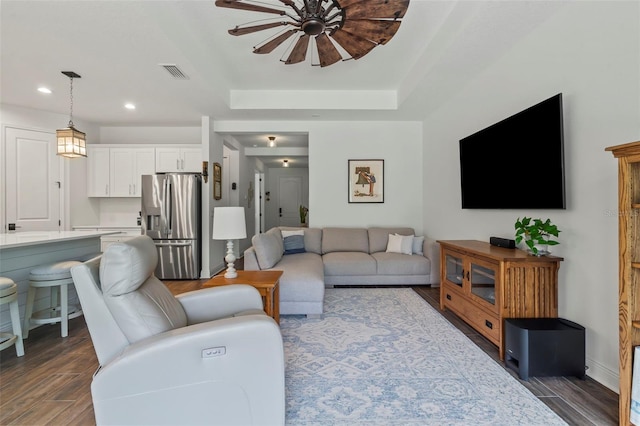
(22, 239)
(107, 228)
(22, 251)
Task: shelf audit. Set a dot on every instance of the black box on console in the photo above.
(502, 242)
(544, 347)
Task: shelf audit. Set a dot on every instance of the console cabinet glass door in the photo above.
(483, 282)
(455, 269)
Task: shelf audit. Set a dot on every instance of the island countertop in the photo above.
(30, 238)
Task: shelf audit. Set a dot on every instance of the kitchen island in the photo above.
(22, 251)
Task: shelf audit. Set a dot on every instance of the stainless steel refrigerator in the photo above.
(171, 216)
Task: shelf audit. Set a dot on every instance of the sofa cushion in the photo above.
(379, 237)
(345, 240)
(349, 263)
(401, 264)
(269, 247)
(312, 238)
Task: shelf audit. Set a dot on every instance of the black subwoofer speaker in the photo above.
(544, 347)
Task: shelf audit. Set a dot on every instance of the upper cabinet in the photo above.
(98, 171)
(126, 167)
(115, 170)
(187, 158)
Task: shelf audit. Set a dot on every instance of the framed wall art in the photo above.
(366, 181)
(217, 181)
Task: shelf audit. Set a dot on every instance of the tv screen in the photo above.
(517, 163)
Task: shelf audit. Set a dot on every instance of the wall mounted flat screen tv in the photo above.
(517, 163)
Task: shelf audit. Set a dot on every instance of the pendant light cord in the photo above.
(71, 103)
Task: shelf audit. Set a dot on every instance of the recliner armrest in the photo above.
(213, 303)
(219, 371)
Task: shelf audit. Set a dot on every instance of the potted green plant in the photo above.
(303, 214)
(537, 234)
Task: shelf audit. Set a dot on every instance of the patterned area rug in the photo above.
(384, 356)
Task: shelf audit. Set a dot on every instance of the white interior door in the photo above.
(289, 200)
(33, 181)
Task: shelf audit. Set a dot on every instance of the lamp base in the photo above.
(230, 258)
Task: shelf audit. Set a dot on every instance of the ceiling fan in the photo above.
(355, 26)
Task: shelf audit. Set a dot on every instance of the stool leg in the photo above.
(15, 321)
(64, 311)
(31, 297)
(53, 296)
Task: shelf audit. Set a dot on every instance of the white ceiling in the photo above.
(117, 47)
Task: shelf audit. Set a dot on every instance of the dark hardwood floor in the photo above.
(50, 385)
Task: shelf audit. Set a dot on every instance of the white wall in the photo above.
(589, 51)
(399, 144)
(332, 144)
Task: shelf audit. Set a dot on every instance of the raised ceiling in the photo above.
(118, 48)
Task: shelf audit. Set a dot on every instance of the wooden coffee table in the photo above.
(266, 282)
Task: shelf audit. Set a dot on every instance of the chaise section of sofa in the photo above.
(302, 282)
(340, 256)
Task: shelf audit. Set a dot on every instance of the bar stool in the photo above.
(56, 277)
(9, 295)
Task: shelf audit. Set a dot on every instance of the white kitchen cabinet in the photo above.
(179, 159)
(126, 167)
(98, 171)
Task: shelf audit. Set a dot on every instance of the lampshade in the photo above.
(71, 142)
(229, 223)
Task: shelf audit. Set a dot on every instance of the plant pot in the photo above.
(543, 250)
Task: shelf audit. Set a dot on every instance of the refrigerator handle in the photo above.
(169, 206)
(165, 228)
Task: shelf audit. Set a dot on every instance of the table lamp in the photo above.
(229, 224)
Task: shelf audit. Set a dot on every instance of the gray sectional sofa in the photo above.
(341, 256)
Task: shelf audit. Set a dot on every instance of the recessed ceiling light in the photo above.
(129, 106)
(44, 90)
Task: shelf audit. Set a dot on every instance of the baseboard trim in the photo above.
(603, 375)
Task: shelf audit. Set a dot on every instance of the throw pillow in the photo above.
(418, 242)
(293, 241)
(400, 244)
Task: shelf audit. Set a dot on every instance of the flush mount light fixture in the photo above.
(285, 163)
(71, 142)
(356, 26)
(272, 141)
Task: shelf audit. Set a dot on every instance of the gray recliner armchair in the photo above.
(210, 356)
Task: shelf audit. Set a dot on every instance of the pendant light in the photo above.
(71, 142)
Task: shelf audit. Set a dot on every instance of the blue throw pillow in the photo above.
(294, 244)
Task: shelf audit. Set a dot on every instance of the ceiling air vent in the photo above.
(174, 71)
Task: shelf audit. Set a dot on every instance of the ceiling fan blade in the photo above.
(369, 9)
(272, 44)
(327, 52)
(237, 4)
(355, 45)
(248, 30)
(377, 31)
(299, 52)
